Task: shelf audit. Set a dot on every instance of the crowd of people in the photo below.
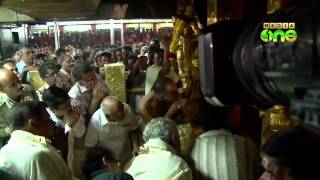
(72, 127)
(99, 37)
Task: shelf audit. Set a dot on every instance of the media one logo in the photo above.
(273, 32)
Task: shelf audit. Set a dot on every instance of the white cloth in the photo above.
(76, 90)
(113, 136)
(20, 66)
(219, 154)
(62, 71)
(151, 77)
(157, 161)
(76, 94)
(77, 131)
(31, 157)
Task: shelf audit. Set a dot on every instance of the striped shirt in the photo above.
(221, 155)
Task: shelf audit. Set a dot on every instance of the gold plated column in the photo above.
(115, 79)
(274, 120)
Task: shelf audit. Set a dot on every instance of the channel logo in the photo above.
(279, 32)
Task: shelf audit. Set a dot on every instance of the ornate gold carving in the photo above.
(274, 119)
(115, 79)
(184, 44)
(35, 80)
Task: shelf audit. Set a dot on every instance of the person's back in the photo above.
(219, 154)
(158, 161)
(22, 157)
(99, 164)
(29, 154)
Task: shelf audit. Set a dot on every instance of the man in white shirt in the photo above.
(158, 159)
(29, 154)
(89, 89)
(220, 154)
(68, 116)
(114, 127)
(11, 91)
(67, 63)
(26, 61)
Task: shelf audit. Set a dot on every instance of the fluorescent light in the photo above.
(79, 28)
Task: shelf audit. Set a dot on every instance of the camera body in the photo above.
(242, 64)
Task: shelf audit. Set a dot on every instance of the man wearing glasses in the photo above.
(114, 127)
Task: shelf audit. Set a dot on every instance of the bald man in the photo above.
(114, 127)
(11, 91)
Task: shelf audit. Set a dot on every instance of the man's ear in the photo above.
(106, 163)
(32, 124)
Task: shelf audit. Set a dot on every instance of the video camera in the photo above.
(265, 64)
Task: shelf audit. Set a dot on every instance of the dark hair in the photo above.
(60, 51)
(14, 51)
(153, 51)
(54, 96)
(105, 54)
(42, 56)
(24, 111)
(80, 69)
(134, 59)
(127, 48)
(154, 42)
(77, 57)
(213, 118)
(159, 86)
(25, 47)
(93, 160)
(43, 69)
(296, 149)
(86, 55)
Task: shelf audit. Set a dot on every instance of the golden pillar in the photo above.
(274, 120)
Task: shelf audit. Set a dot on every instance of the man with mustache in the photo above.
(11, 91)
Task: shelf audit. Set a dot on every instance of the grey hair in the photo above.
(23, 48)
(160, 128)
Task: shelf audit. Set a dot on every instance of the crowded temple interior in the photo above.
(159, 90)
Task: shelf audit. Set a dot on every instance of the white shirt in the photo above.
(77, 131)
(20, 66)
(31, 157)
(113, 136)
(219, 154)
(62, 71)
(76, 94)
(157, 161)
